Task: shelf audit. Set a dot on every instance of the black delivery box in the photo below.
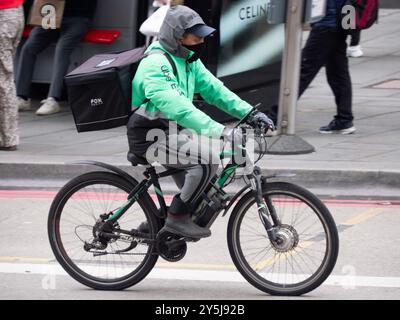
(99, 91)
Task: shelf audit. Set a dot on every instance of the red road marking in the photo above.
(43, 194)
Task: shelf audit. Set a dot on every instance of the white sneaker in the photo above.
(49, 106)
(24, 105)
(355, 52)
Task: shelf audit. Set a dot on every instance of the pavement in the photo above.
(364, 164)
(389, 4)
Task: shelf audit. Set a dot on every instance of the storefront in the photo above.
(245, 54)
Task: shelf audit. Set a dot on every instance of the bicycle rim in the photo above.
(77, 210)
(306, 256)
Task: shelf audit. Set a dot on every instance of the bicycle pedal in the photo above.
(94, 245)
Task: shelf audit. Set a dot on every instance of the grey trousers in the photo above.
(199, 160)
(11, 27)
(73, 29)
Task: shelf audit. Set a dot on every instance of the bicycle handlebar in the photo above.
(245, 117)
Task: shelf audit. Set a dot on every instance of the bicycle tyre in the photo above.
(303, 198)
(55, 238)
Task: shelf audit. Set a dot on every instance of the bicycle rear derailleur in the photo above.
(105, 233)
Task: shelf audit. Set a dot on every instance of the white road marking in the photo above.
(203, 275)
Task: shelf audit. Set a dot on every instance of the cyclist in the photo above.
(163, 88)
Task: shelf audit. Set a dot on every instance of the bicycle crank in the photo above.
(171, 247)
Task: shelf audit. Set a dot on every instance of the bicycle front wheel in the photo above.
(113, 263)
(308, 241)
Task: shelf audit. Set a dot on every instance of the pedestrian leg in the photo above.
(72, 32)
(11, 26)
(38, 40)
(338, 75)
(314, 56)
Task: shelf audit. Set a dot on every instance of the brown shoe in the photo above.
(11, 148)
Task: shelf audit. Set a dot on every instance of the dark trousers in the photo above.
(326, 47)
(355, 37)
(68, 37)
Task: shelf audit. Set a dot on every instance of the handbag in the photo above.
(151, 27)
(47, 14)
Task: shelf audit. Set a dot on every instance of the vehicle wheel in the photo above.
(308, 241)
(109, 264)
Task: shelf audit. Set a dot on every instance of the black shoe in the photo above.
(12, 148)
(179, 221)
(144, 227)
(185, 227)
(338, 128)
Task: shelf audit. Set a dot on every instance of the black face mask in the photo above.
(198, 50)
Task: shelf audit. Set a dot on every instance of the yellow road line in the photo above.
(369, 214)
(268, 262)
(169, 265)
(26, 259)
(178, 265)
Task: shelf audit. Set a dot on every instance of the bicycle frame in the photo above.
(265, 208)
(284, 237)
(152, 179)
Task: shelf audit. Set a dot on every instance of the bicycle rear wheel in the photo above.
(112, 264)
(308, 248)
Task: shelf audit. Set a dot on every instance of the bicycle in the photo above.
(281, 237)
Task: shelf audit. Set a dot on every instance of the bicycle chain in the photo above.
(121, 253)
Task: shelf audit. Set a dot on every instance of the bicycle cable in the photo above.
(261, 141)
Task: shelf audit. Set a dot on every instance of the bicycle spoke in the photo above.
(81, 211)
(302, 251)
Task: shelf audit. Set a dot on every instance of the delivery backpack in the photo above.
(100, 90)
(367, 12)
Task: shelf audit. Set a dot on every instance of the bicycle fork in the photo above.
(265, 208)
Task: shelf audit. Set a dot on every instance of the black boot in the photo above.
(144, 227)
(179, 221)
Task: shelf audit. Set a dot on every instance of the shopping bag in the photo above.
(47, 14)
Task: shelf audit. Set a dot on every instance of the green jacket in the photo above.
(163, 96)
(172, 95)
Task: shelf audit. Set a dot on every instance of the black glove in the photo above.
(259, 120)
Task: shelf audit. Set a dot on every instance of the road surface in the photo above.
(368, 266)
